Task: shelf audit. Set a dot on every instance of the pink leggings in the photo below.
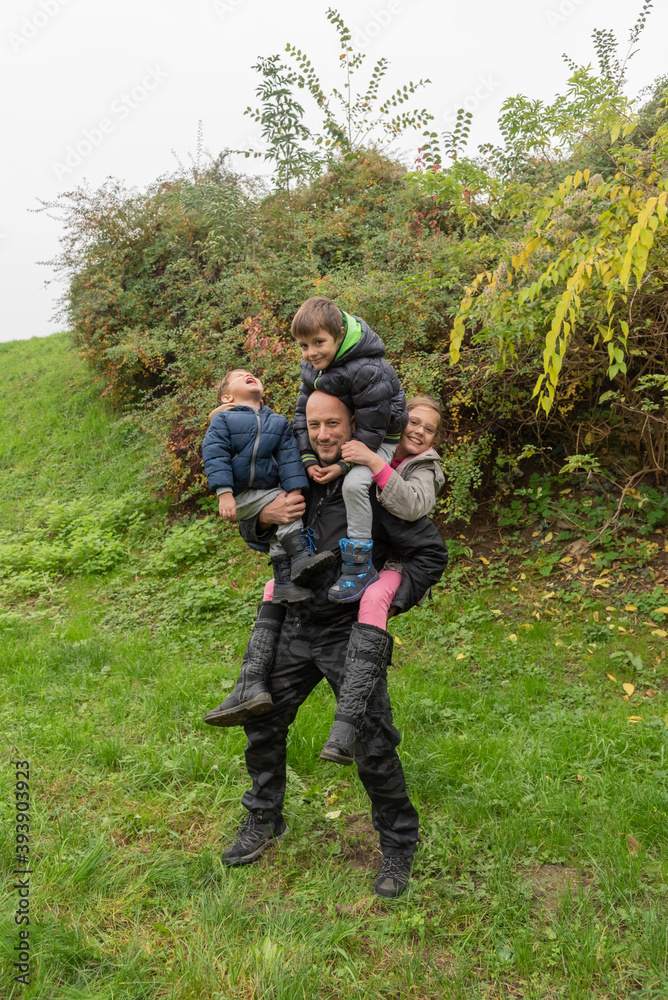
(375, 601)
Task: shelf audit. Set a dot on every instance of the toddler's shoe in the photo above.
(285, 590)
(305, 562)
(357, 571)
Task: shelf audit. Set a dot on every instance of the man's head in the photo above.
(318, 330)
(330, 425)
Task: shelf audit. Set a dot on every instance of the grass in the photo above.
(542, 872)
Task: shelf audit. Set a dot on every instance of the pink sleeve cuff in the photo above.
(381, 478)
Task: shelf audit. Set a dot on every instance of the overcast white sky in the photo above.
(149, 70)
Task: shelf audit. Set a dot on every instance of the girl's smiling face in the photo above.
(319, 348)
(420, 430)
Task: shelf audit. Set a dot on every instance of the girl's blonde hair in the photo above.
(435, 406)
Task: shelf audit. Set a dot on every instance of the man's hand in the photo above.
(325, 474)
(284, 509)
(358, 453)
(227, 506)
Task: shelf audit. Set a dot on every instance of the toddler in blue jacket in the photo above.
(250, 458)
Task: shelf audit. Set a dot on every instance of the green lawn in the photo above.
(543, 793)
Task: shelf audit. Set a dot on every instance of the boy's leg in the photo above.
(357, 571)
(251, 694)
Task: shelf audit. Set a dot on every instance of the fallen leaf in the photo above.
(549, 536)
(578, 548)
(612, 678)
(497, 611)
(483, 560)
(610, 608)
(558, 642)
(634, 718)
(566, 560)
(579, 777)
(664, 611)
(526, 625)
(398, 641)
(660, 633)
(600, 583)
(632, 844)
(534, 534)
(620, 628)
(334, 814)
(595, 616)
(459, 656)
(629, 688)
(512, 637)
(631, 607)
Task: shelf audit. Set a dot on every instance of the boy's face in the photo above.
(319, 348)
(242, 387)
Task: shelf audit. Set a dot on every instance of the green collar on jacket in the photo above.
(352, 336)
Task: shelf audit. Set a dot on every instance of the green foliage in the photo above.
(540, 264)
(89, 535)
(185, 544)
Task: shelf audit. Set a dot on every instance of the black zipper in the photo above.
(256, 445)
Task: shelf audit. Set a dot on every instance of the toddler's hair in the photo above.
(222, 390)
(434, 405)
(318, 313)
(224, 385)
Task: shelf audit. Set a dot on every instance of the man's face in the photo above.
(329, 426)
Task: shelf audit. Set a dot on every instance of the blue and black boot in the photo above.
(357, 571)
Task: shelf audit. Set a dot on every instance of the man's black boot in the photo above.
(393, 877)
(256, 834)
(251, 695)
(285, 591)
(304, 560)
(368, 654)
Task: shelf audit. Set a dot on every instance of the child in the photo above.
(250, 458)
(407, 487)
(342, 356)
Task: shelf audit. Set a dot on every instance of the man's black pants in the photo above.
(304, 655)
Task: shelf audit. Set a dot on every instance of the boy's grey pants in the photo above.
(251, 502)
(356, 496)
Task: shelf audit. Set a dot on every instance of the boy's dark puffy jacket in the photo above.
(367, 383)
(252, 449)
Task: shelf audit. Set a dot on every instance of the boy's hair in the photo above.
(434, 405)
(318, 313)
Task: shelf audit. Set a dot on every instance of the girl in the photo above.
(407, 487)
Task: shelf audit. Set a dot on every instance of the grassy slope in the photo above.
(519, 753)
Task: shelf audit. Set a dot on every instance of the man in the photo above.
(313, 639)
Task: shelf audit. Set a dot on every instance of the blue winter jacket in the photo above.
(252, 449)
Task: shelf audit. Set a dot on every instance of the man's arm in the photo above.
(419, 547)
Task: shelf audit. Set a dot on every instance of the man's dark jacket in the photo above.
(246, 448)
(367, 383)
(416, 543)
